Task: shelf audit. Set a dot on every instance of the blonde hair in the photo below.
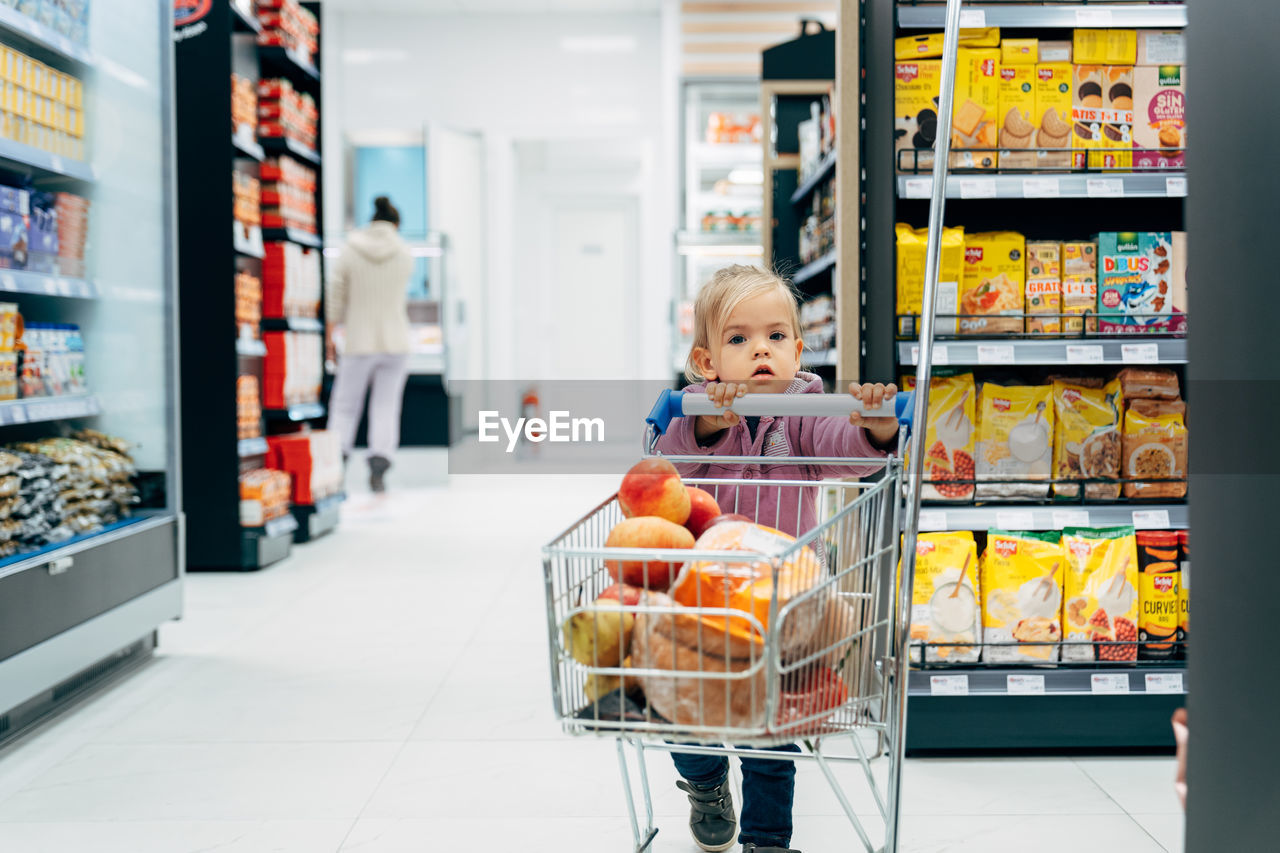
(728, 288)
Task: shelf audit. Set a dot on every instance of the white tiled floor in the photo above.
(385, 689)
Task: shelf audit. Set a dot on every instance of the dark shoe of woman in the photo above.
(378, 467)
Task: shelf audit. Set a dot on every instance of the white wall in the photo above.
(511, 78)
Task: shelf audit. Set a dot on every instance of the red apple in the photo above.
(628, 595)
(646, 532)
(702, 510)
(653, 487)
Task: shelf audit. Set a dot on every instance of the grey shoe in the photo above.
(378, 467)
(751, 848)
(712, 820)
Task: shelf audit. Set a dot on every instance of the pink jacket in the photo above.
(791, 509)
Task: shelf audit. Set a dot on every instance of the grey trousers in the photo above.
(357, 374)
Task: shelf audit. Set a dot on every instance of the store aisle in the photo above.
(386, 690)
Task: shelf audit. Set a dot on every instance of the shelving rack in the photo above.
(984, 707)
(75, 613)
(215, 538)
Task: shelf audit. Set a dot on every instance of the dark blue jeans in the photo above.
(768, 788)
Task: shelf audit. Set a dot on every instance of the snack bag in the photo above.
(949, 440)
(1149, 383)
(1021, 584)
(992, 283)
(1155, 446)
(1044, 286)
(1015, 431)
(912, 243)
(1079, 285)
(1101, 603)
(1158, 593)
(1086, 443)
(944, 597)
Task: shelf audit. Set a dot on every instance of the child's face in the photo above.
(756, 344)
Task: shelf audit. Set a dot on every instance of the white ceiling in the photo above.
(481, 7)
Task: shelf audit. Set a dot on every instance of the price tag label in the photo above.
(918, 188)
(1063, 518)
(19, 415)
(1025, 685)
(973, 18)
(1175, 186)
(977, 188)
(1015, 519)
(1105, 187)
(1041, 188)
(1109, 682)
(932, 519)
(1084, 354)
(995, 354)
(1164, 682)
(1151, 519)
(940, 354)
(56, 162)
(1093, 17)
(1140, 353)
(949, 685)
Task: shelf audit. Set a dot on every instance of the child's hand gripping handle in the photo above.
(675, 404)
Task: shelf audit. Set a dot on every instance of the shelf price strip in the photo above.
(1140, 353)
(1151, 519)
(1093, 17)
(995, 354)
(940, 354)
(1109, 682)
(1164, 682)
(977, 188)
(1175, 187)
(1063, 518)
(1041, 188)
(1025, 685)
(1015, 519)
(949, 685)
(1084, 354)
(932, 519)
(1105, 187)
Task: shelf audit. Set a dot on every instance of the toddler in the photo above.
(747, 339)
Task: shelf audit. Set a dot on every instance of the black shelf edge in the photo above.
(292, 235)
(825, 168)
(297, 414)
(244, 21)
(814, 268)
(250, 447)
(46, 409)
(13, 22)
(285, 145)
(292, 324)
(297, 68)
(47, 284)
(29, 157)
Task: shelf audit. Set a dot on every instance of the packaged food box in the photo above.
(1044, 287)
(1055, 51)
(1015, 436)
(1079, 285)
(1017, 112)
(912, 245)
(10, 326)
(1104, 47)
(1184, 590)
(1021, 586)
(992, 283)
(1086, 439)
(944, 598)
(1178, 283)
(1160, 119)
(1159, 575)
(1115, 150)
(8, 376)
(1149, 383)
(929, 45)
(1021, 51)
(974, 122)
(1155, 447)
(1162, 47)
(949, 438)
(1086, 111)
(1101, 602)
(13, 241)
(1134, 293)
(1052, 113)
(916, 87)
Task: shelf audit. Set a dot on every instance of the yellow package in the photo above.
(949, 438)
(1086, 112)
(1101, 602)
(944, 597)
(1155, 446)
(1086, 440)
(1122, 47)
(1044, 286)
(1115, 141)
(1015, 434)
(929, 45)
(912, 249)
(975, 124)
(1080, 285)
(1021, 586)
(1104, 47)
(991, 283)
(1017, 116)
(916, 85)
(1053, 113)
(1019, 52)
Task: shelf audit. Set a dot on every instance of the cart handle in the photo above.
(676, 404)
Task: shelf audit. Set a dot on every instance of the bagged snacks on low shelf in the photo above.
(1021, 585)
(945, 601)
(1086, 441)
(1101, 603)
(1015, 434)
(1155, 449)
(949, 438)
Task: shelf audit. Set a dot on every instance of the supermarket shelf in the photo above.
(245, 143)
(1058, 15)
(825, 169)
(292, 235)
(15, 23)
(44, 409)
(1024, 681)
(252, 447)
(815, 268)
(292, 64)
(285, 145)
(248, 240)
(1054, 517)
(47, 284)
(292, 324)
(15, 153)
(726, 243)
(18, 563)
(244, 20)
(732, 154)
(1102, 185)
(298, 413)
(994, 351)
(250, 347)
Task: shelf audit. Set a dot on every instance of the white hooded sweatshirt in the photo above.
(368, 291)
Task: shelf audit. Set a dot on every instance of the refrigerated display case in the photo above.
(87, 187)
